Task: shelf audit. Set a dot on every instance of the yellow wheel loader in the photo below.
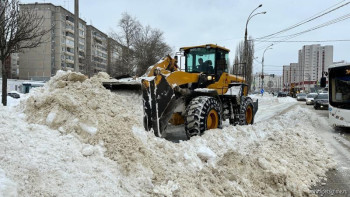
(201, 96)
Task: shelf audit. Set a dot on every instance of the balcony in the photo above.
(81, 53)
(68, 61)
(70, 19)
(68, 34)
(69, 28)
(97, 41)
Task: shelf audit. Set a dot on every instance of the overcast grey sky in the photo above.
(222, 22)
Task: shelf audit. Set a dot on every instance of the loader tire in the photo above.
(246, 115)
(202, 113)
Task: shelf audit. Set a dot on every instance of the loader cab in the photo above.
(208, 59)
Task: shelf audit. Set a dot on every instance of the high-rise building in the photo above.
(294, 75)
(286, 78)
(57, 52)
(313, 60)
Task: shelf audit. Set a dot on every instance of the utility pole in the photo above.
(76, 35)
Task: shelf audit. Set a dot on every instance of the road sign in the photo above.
(262, 91)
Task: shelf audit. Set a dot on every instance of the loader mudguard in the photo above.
(158, 102)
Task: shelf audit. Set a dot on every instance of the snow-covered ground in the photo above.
(74, 138)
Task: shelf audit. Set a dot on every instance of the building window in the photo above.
(82, 33)
(82, 47)
(71, 50)
(70, 65)
(69, 57)
(70, 42)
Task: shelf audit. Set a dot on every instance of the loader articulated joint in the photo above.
(182, 91)
(156, 72)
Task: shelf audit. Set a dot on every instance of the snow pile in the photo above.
(7, 187)
(96, 144)
(283, 157)
(71, 103)
(39, 161)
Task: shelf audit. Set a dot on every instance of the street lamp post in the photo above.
(251, 15)
(262, 68)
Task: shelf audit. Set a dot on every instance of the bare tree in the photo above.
(149, 48)
(19, 29)
(141, 46)
(129, 29)
(244, 66)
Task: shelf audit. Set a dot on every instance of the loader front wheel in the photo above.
(246, 115)
(202, 113)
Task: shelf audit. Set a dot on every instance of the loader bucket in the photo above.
(117, 85)
(158, 102)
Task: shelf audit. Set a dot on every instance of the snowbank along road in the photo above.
(73, 137)
(337, 182)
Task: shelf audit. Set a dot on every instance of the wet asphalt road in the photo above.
(338, 180)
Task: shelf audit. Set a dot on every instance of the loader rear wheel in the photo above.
(202, 113)
(246, 113)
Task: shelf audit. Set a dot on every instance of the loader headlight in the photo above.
(210, 78)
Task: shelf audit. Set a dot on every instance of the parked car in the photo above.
(301, 97)
(310, 98)
(13, 94)
(282, 94)
(321, 101)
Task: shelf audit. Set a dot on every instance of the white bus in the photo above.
(339, 94)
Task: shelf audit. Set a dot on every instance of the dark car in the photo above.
(13, 95)
(321, 101)
(282, 94)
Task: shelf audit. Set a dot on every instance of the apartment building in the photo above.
(294, 74)
(272, 83)
(313, 60)
(97, 51)
(57, 52)
(286, 79)
(12, 67)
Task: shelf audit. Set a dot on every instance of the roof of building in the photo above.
(49, 4)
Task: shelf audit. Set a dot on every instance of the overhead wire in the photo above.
(316, 16)
(336, 20)
(345, 40)
(259, 41)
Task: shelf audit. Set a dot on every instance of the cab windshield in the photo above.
(206, 60)
(339, 87)
(201, 60)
